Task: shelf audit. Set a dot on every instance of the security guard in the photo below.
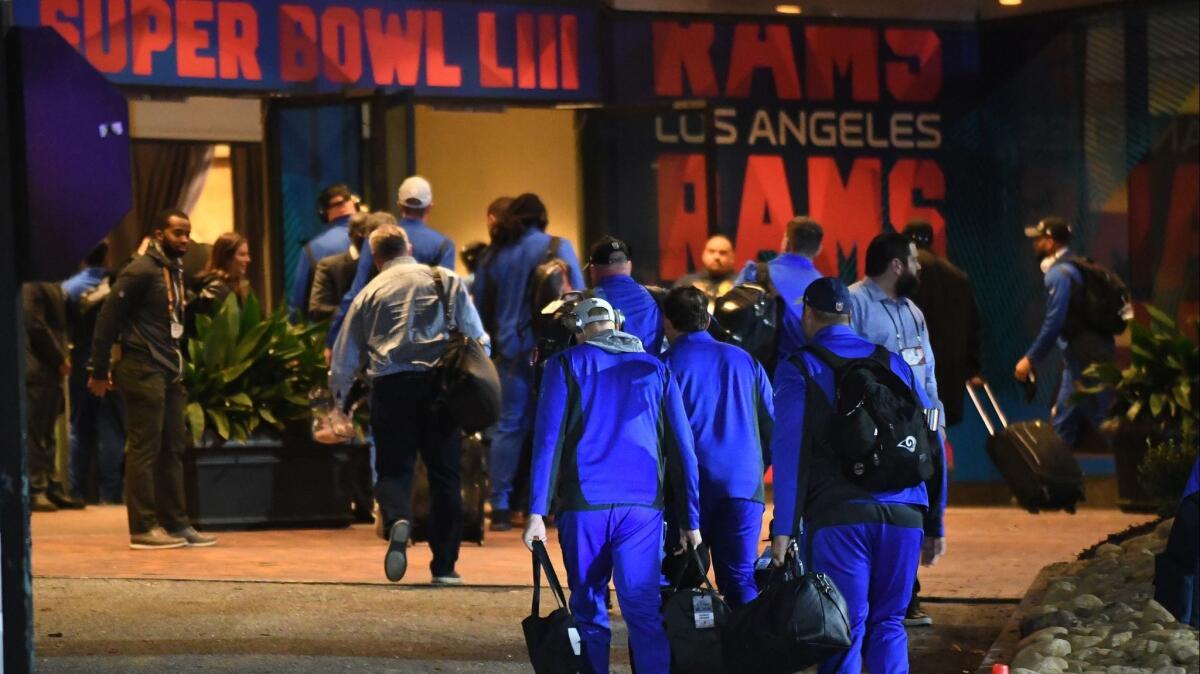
(729, 404)
(867, 543)
(610, 424)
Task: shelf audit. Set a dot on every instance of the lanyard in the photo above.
(173, 293)
(897, 326)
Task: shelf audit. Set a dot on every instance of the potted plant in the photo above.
(252, 462)
(1155, 400)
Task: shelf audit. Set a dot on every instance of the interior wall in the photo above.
(472, 157)
(212, 215)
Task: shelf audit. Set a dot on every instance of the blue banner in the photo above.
(433, 48)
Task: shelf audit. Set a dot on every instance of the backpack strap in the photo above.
(762, 276)
(882, 356)
(812, 393)
(834, 361)
(552, 248)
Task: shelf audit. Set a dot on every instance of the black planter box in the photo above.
(269, 483)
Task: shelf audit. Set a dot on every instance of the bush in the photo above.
(1165, 469)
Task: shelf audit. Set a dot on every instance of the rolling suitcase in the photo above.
(474, 492)
(1035, 462)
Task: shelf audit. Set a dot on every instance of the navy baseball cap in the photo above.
(1055, 228)
(828, 294)
(609, 250)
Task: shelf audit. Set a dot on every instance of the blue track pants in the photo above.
(624, 544)
(731, 527)
(874, 566)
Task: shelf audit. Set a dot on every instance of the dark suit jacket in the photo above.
(46, 346)
(333, 277)
(955, 328)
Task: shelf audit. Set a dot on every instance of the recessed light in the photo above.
(1010, 3)
(789, 9)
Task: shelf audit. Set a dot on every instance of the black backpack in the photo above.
(879, 433)
(1102, 304)
(749, 316)
(548, 281)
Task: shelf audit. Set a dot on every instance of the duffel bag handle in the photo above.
(541, 559)
(693, 558)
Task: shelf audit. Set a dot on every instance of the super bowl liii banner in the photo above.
(435, 48)
(846, 123)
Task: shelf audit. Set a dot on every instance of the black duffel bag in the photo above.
(799, 620)
(466, 381)
(695, 619)
(553, 641)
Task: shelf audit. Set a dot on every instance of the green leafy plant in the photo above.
(1165, 469)
(1161, 383)
(248, 373)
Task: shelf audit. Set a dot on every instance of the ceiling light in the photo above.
(1010, 3)
(791, 9)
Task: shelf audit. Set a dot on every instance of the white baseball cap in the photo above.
(593, 310)
(415, 192)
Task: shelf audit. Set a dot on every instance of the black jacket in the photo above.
(46, 346)
(333, 277)
(211, 290)
(955, 328)
(136, 314)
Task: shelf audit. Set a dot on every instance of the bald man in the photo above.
(716, 276)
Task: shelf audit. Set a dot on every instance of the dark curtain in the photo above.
(250, 216)
(162, 173)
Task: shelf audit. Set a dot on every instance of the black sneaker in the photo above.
(395, 562)
(65, 501)
(38, 503)
(501, 521)
(915, 617)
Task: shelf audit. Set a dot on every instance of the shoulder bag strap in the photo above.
(442, 298)
(541, 558)
(552, 248)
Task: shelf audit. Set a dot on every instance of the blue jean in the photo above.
(1073, 419)
(517, 413)
(874, 566)
(97, 432)
(624, 544)
(731, 527)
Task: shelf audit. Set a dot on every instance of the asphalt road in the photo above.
(102, 626)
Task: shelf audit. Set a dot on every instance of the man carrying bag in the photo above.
(867, 542)
(553, 640)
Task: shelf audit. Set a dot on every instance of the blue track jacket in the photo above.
(730, 407)
(429, 247)
(1193, 483)
(643, 318)
(501, 290)
(827, 488)
(790, 275)
(334, 240)
(609, 427)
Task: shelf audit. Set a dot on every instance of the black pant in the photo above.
(45, 401)
(1177, 569)
(403, 426)
(154, 444)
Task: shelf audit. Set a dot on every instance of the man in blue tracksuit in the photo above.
(867, 543)
(609, 268)
(610, 425)
(414, 199)
(1177, 569)
(1079, 346)
(789, 275)
(335, 205)
(502, 295)
(729, 405)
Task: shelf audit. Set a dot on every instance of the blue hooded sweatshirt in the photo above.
(501, 290)
(828, 490)
(729, 404)
(610, 424)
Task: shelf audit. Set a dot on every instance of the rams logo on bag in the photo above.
(909, 443)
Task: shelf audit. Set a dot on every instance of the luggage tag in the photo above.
(573, 635)
(913, 355)
(702, 611)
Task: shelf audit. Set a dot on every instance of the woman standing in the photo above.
(225, 273)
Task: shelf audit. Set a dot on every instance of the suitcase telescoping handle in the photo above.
(987, 421)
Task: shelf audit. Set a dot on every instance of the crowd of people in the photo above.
(644, 438)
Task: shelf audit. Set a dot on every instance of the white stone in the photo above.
(1088, 601)
(1154, 612)
(1118, 639)
(1170, 670)
(1083, 641)
(1043, 635)
(1029, 657)
(1122, 669)
(1182, 651)
(1108, 550)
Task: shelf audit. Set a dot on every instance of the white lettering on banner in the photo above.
(850, 129)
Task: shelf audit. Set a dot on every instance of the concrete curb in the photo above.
(1004, 648)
